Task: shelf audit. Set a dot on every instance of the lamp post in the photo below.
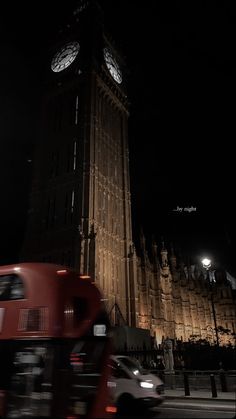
(206, 263)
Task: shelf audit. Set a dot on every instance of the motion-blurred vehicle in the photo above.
(134, 388)
(54, 344)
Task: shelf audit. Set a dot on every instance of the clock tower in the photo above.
(80, 204)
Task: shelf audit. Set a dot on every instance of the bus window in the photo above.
(17, 288)
(5, 287)
(11, 287)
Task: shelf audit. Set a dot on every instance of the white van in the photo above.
(133, 387)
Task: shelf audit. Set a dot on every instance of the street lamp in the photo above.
(206, 263)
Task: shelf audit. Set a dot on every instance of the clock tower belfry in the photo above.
(80, 204)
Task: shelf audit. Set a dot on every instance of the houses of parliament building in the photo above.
(183, 301)
(80, 202)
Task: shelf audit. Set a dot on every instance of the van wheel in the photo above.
(126, 406)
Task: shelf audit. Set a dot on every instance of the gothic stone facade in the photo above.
(175, 299)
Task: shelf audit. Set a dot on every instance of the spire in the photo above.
(142, 240)
(92, 245)
(163, 244)
(189, 268)
(164, 253)
(80, 6)
(156, 264)
(143, 249)
(173, 262)
(87, 10)
(180, 257)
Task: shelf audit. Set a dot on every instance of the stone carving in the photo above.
(168, 355)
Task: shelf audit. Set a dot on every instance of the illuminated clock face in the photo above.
(65, 56)
(112, 66)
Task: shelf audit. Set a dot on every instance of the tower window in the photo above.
(54, 164)
(74, 156)
(76, 110)
(58, 116)
(68, 169)
(69, 258)
(51, 213)
(72, 201)
(69, 207)
(71, 156)
(66, 209)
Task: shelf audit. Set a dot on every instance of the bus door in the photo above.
(79, 376)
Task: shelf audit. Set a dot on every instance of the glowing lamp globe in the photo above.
(206, 263)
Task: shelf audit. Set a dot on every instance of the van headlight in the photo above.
(145, 384)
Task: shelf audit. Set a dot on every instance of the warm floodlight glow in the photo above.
(62, 272)
(85, 277)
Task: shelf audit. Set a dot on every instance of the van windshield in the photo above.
(132, 365)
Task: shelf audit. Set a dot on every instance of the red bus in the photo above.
(54, 344)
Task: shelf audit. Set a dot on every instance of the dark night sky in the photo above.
(182, 89)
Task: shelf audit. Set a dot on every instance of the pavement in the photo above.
(225, 401)
(198, 394)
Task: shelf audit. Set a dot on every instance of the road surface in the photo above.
(202, 409)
